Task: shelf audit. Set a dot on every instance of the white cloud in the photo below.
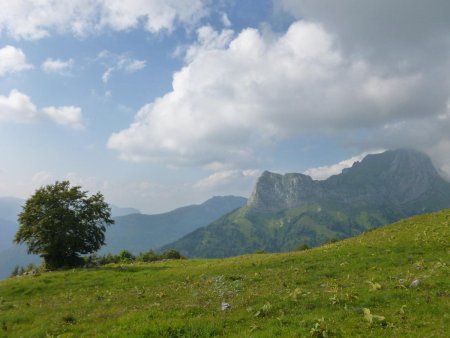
(225, 20)
(403, 27)
(119, 63)
(57, 66)
(12, 60)
(239, 93)
(133, 65)
(66, 115)
(32, 19)
(227, 178)
(17, 107)
(322, 173)
(209, 39)
(107, 75)
(411, 39)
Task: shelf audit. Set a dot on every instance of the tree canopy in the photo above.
(60, 222)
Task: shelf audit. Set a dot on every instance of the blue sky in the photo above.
(160, 104)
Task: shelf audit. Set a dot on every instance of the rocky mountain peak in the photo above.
(394, 162)
(394, 177)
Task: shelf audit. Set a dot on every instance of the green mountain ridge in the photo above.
(286, 211)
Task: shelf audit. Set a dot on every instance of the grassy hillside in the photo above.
(356, 287)
(243, 232)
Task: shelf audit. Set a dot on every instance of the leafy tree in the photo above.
(60, 223)
(126, 256)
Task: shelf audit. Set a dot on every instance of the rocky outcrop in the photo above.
(395, 178)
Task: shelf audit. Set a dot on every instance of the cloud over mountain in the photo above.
(397, 37)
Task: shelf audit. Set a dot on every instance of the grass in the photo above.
(359, 287)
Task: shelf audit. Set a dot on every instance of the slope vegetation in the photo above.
(390, 282)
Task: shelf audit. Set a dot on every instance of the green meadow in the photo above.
(390, 282)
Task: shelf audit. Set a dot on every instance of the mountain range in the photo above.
(291, 210)
(140, 232)
(284, 212)
(134, 231)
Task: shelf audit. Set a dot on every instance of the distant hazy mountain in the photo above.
(8, 230)
(15, 255)
(286, 211)
(139, 232)
(10, 208)
(119, 211)
(11, 254)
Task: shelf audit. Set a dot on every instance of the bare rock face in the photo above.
(275, 192)
(399, 178)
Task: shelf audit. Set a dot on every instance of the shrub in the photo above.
(149, 256)
(332, 240)
(302, 247)
(126, 256)
(110, 258)
(171, 254)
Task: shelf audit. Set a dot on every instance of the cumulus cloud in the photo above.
(17, 107)
(406, 37)
(66, 115)
(385, 31)
(12, 60)
(238, 93)
(31, 19)
(119, 63)
(57, 66)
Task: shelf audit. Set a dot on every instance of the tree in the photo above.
(60, 223)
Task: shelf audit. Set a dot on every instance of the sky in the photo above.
(164, 103)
